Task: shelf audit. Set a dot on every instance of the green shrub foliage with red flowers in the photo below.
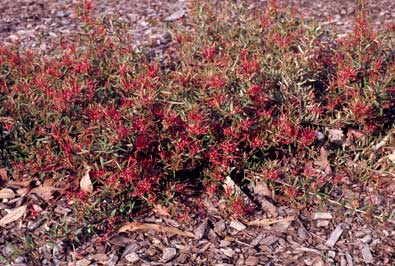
(249, 96)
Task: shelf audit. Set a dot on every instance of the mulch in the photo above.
(330, 235)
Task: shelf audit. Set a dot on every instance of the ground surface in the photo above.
(339, 236)
(36, 23)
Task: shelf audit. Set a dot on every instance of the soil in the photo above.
(37, 23)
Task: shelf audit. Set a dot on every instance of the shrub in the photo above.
(249, 98)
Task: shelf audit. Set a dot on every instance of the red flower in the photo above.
(129, 174)
(142, 187)
(238, 206)
(361, 110)
(250, 66)
(257, 142)
(152, 71)
(307, 137)
(254, 90)
(217, 82)
(209, 53)
(88, 4)
(272, 174)
(122, 132)
(141, 143)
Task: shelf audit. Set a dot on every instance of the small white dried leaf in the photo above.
(86, 183)
(336, 136)
(13, 215)
(383, 142)
(391, 157)
(231, 185)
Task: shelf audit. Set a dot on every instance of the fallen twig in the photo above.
(135, 226)
(270, 221)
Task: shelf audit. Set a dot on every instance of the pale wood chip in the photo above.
(366, 253)
(268, 206)
(169, 254)
(334, 236)
(322, 216)
(308, 250)
(201, 229)
(237, 225)
(349, 259)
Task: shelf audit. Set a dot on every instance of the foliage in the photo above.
(249, 98)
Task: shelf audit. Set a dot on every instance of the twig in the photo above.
(346, 206)
(243, 243)
(335, 202)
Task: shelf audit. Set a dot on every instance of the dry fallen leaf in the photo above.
(3, 174)
(353, 135)
(23, 183)
(323, 162)
(45, 190)
(23, 191)
(160, 210)
(86, 183)
(6, 193)
(155, 227)
(261, 222)
(13, 215)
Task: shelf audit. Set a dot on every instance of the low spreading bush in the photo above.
(250, 97)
